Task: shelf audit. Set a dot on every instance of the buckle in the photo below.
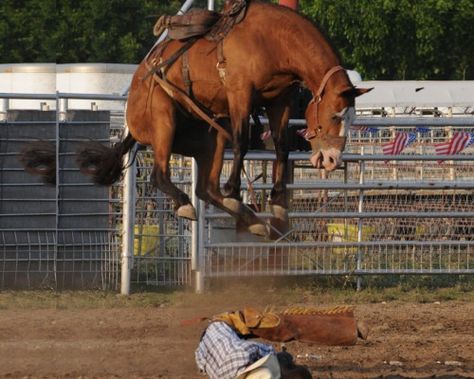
(221, 68)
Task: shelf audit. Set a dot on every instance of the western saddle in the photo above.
(202, 23)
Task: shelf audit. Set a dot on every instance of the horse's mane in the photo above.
(315, 24)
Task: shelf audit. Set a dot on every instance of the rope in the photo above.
(301, 310)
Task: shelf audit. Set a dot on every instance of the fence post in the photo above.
(197, 227)
(180, 219)
(452, 170)
(4, 105)
(359, 221)
(394, 133)
(61, 108)
(200, 259)
(197, 234)
(61, 116)
(128, 224)
(422, 151)
(346, 225)
(194, 224)
(293, 4)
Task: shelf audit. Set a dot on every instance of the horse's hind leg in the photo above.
(161, 179)
(208, 187)
(161, 173)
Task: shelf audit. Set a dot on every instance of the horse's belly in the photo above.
(212, 95)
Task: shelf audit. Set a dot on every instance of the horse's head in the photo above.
(328, 117)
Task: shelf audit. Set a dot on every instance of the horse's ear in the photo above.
(354, 92)
(361, 91)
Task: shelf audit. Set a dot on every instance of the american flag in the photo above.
(422, 130)
(401, 140)
(458, 143)
(365, 129)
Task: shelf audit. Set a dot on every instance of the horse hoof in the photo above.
(362, 330)
(279, 212)
(279, 228)
(187, 211)
(258, 230)
(232, 204)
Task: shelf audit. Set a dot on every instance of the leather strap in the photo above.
(178, 94)
(175, 92)
(185, 71)
(221, 62)
(319, 96)
(155, 66)
(325, 80)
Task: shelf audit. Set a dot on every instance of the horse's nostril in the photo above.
(331, 159)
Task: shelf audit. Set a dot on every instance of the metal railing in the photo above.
(404, 218)
(379, 215)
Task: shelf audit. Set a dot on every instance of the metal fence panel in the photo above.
(162, 249)
(86, 230)
(388, 215)
(27, 206)
(60, 236)
(404, 214)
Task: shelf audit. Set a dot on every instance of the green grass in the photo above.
(81, 299)
(278, 292)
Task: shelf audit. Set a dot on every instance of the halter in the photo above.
(319, 97)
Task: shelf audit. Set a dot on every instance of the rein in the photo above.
(319, 97)
(178, 94)
(155, 67)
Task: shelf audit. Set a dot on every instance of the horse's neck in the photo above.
(314, 62)
(311, 55)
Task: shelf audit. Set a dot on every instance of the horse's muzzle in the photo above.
(327, 152)
(328, 159)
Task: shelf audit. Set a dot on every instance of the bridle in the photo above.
(318, 97)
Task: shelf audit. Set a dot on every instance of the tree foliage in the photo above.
(400, 39)
(382, 39)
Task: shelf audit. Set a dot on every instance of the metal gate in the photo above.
(380, 214)
(62, 234)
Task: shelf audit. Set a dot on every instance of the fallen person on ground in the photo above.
(223, 354)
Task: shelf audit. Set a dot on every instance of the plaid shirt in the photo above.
(222, 354)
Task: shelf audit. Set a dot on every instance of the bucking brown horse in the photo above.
(260, 62)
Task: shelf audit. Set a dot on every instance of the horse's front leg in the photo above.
(240, 107)
(208, 186)
(278, 116)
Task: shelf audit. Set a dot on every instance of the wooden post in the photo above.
(293, 4)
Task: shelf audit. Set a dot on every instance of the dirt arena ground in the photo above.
(407, 340)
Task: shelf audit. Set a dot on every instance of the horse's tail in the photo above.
(104, 164)
(39, 158)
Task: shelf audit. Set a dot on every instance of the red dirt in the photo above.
(406, 340)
